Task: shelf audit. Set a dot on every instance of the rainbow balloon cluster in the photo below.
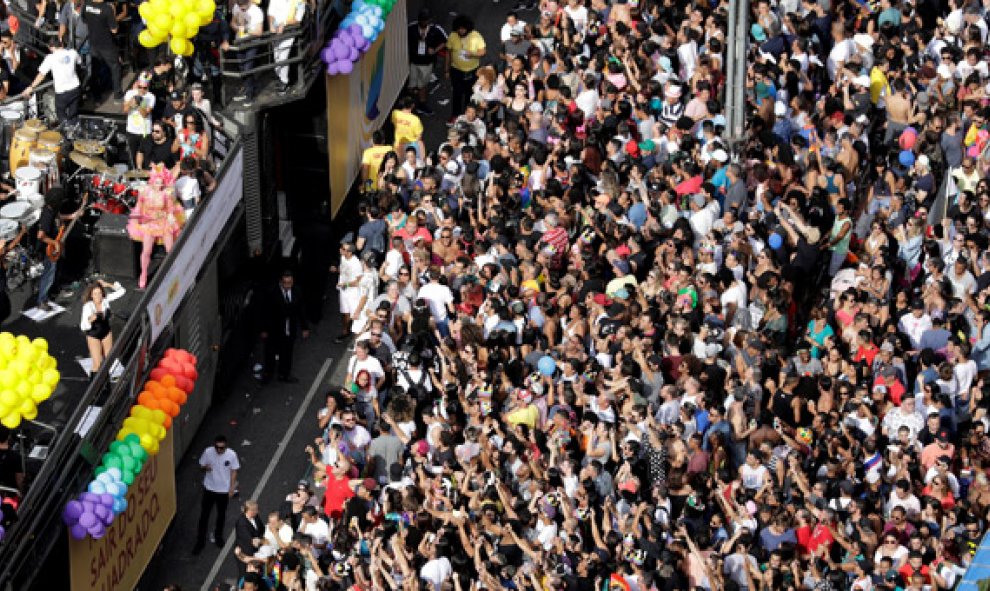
(359, 29)
(177, 21)
(150, 419)
(28, 376)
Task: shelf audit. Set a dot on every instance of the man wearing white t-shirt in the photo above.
(220, 465)
(441, 301)
(138, 105)
(61, 62)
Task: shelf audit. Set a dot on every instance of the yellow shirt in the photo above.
(408, 128)
(526, 415)
(457, 45)
(372, 158)
(878, 85)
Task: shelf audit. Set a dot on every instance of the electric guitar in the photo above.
(54, 251)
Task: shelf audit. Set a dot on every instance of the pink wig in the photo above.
(160, 173)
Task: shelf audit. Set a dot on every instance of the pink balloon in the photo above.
(907, 141)
(346, 67)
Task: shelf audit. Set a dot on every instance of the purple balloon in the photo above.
(353, 55)
(106, 500)
(341, 51)
(346, 40)
(97, 531)
(91, 497)
(78, 532)
(346, 67)
(101, 512)
(73, 509)
(88, 519)
(333, 68)
(326, 54)
(355, 30)
(3, 533)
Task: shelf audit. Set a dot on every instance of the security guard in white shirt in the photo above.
(220, 465)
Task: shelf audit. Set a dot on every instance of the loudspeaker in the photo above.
(116, 254)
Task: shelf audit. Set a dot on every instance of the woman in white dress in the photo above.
(347, 284)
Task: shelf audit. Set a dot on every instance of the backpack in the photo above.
(416, 389)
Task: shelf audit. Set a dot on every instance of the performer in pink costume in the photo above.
(157, 217)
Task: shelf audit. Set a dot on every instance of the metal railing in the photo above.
(74, 454)
(255, 56)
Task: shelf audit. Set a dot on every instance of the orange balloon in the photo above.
(168, 380)
(158, 373)
(170, 408)
(177, 396)
(153, 386)
(167, 423)
(145, 398)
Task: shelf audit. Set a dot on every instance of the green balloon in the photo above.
(116, 446)
(125, 451)
(132, 439)
(129, 463)
(138, 453)
(127, 476)
(113, 461)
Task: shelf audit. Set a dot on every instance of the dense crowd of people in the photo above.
(600, 344)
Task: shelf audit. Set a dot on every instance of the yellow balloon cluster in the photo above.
(177, 21)
(28, 376)
(147, 424)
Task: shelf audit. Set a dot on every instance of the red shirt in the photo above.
(338, 491)
(810, 539)
(907, 571)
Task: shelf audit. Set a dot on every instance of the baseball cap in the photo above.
(175, 95)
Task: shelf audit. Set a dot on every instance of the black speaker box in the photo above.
(116, 254)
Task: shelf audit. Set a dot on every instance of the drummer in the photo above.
(61, 62)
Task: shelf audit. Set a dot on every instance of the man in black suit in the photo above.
(249, 535)
(285, 319)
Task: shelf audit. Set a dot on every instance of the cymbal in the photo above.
(102, 168)
(88, 147)
(131, 175)
(85, 161)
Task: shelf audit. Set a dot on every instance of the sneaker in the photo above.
(45, 306)
(241, 96)
(424, 110)
(213, 539)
